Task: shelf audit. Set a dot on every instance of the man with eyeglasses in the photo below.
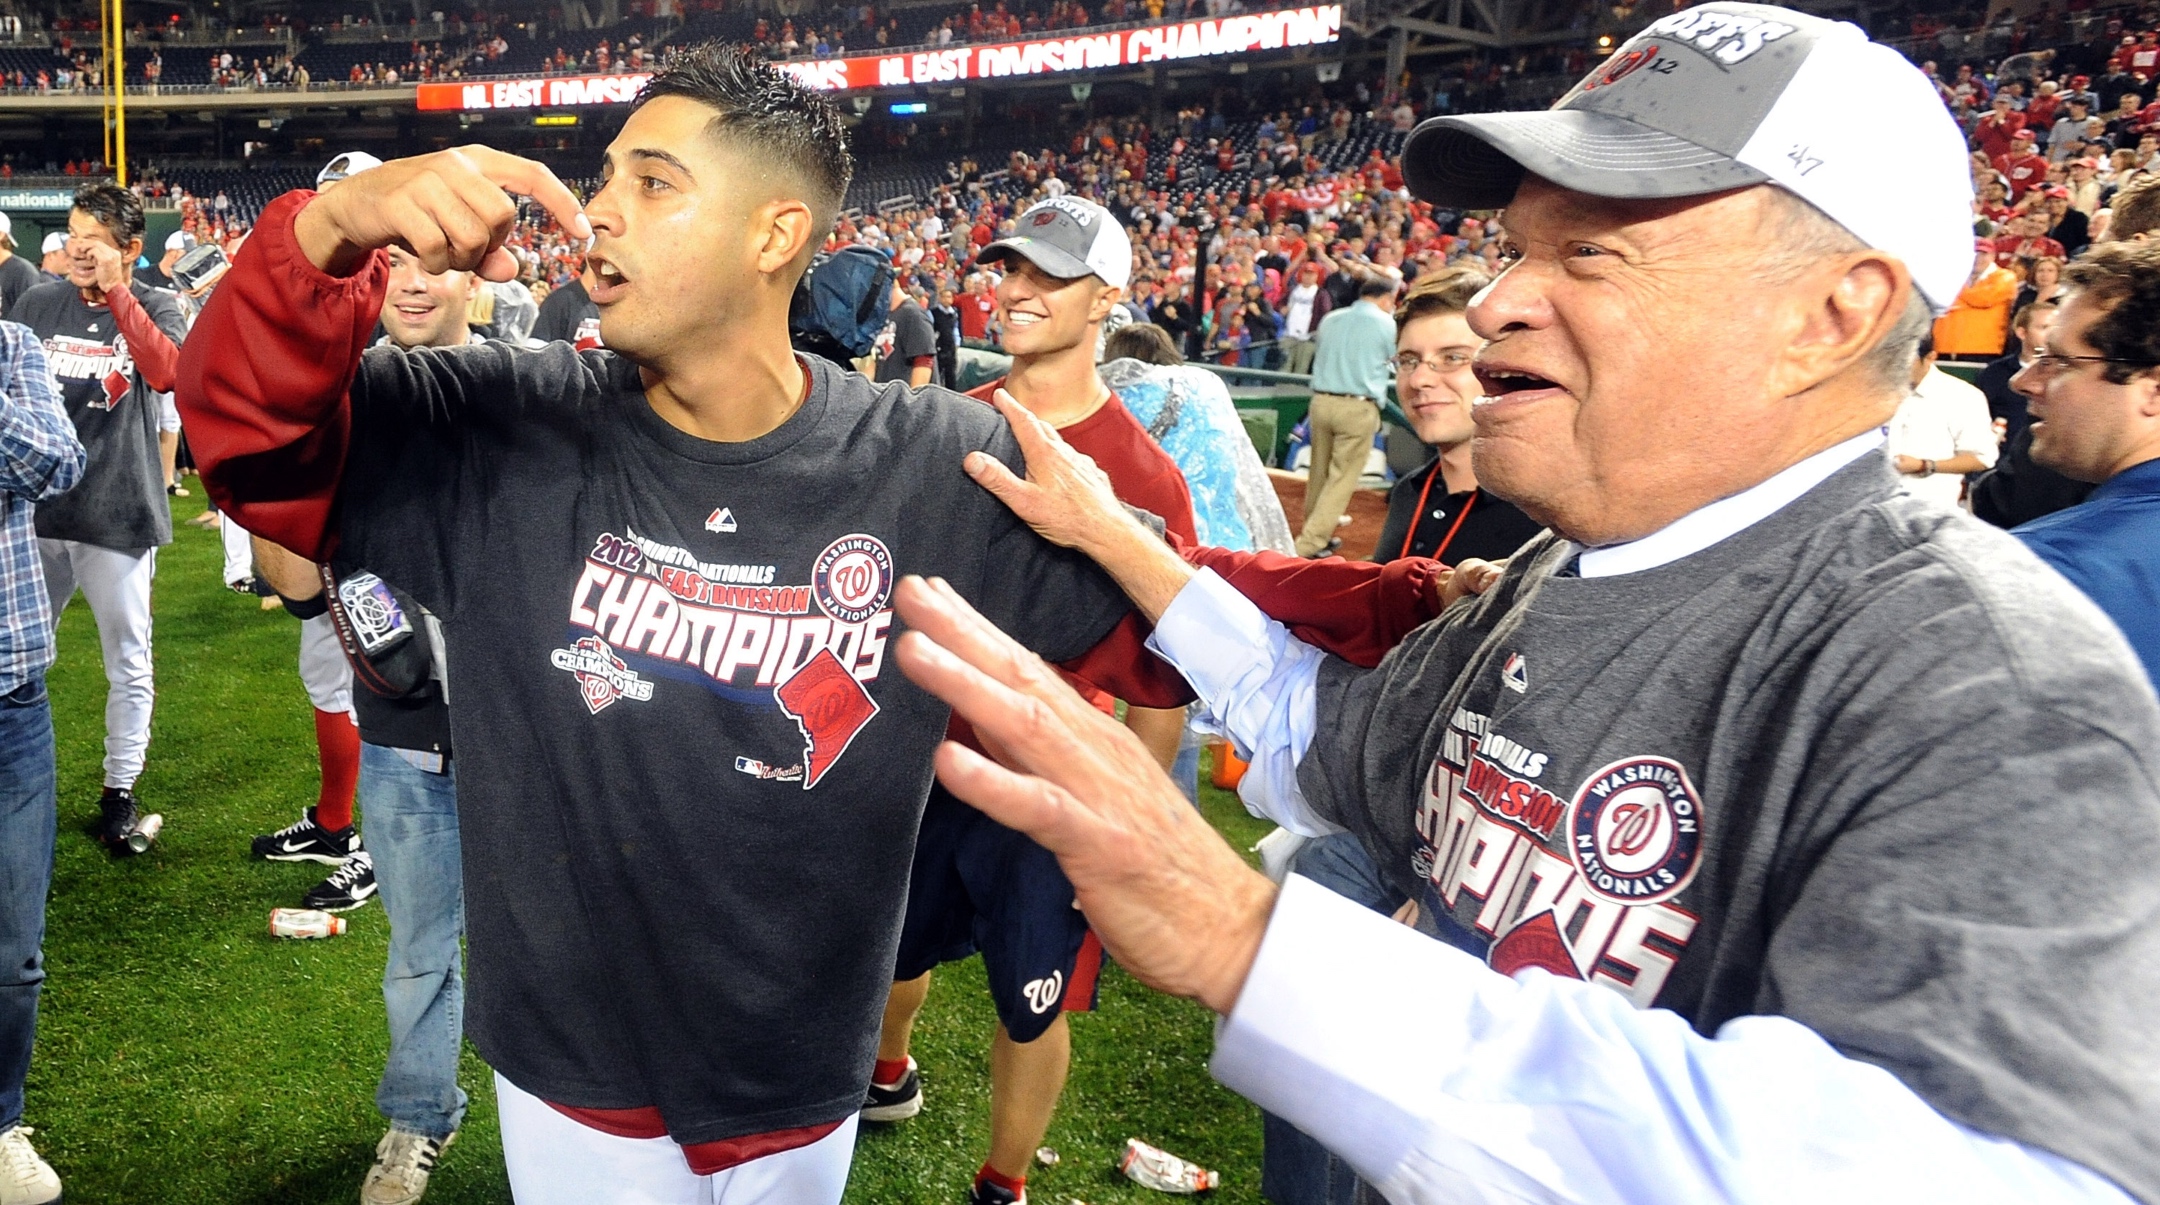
(1438, 388)
(2094, 391)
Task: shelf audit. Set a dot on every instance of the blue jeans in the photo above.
(410, 821)
(27, 822)
(1294, 1169)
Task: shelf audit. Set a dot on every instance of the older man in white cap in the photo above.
(1774, 835)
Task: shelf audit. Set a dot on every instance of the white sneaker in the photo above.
(403, 1163)
(25, 1178)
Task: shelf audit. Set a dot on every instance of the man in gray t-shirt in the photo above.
(1783, 838)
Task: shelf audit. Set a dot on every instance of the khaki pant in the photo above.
(1342, 433)
(1300, 352)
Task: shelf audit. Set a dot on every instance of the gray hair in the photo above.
(1803, 235)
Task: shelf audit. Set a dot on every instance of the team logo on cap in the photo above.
(852, 578)
(1726, 38)
(1043, 217)
(1622, 65)
(1635, 830)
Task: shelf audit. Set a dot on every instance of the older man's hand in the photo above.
(1471, 576)
(1067, 499)
(1066, 496)
(1169, 898)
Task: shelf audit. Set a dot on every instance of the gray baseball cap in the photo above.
(1727, 95)
(1068, 237)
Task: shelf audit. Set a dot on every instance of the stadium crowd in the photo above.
(1306, 236)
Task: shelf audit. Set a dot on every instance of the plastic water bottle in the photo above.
(304, 922)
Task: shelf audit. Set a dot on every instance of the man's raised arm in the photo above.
(265, 376)
(1349, 609)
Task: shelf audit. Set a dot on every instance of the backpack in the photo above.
(844, 300)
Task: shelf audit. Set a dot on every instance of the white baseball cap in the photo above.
(7, 224)
(1726, 95)
(179, 240)
(56, 241)
(1068, 237)
(347, 164)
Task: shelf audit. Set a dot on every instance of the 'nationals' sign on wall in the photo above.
(1240, 34)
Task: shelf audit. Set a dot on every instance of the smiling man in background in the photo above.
(978, 886)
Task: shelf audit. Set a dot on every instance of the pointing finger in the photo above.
(532, 179)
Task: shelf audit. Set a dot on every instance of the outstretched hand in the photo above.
(1066, 497)
(449, 209)
(1168, 896)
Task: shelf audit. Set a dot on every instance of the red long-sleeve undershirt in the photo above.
(157, 358)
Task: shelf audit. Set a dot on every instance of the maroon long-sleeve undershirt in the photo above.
(157, 358)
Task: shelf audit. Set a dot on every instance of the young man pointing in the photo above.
(688, 782)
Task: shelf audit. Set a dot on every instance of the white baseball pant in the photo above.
(239, 553)
(116, 584)
(323, 668)
(554, 1160)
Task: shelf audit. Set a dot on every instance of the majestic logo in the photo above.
(830, 707)
(1043, 994)
(722, 519)
(1512, 673)
(602, 676)
(376, 617)
(853, 578)
(1635, 830)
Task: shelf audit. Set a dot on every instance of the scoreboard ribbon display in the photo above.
(1314, 26)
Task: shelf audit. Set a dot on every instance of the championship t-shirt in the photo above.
(689, 801)
(120, 502)
(1867, 764)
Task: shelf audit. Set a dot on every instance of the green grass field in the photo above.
(187, 1058)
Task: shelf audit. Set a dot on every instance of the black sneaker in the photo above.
(116, 819)
(986, 1193)
(306, 841)
(894, 1102)
(350, 886)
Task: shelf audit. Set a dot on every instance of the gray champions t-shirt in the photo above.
(1868, 764)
